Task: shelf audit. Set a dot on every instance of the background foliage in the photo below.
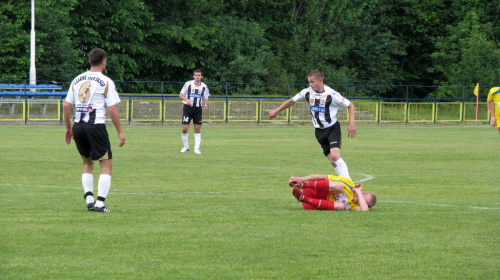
(414, 42)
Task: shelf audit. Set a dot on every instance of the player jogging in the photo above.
(324, 103)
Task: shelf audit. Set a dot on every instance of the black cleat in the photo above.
(103, 209)
(90, 206)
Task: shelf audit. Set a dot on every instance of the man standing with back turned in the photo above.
(324, 102)
(91, 92)
(192, 94)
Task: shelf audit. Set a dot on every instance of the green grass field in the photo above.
(229, 213)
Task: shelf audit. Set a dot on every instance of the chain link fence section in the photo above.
(449, 111)
(245, 110)
(421, 112)
(44, 110)
(365, 111)
(216, 111)
(12, 110)
(267, 105)
(173, 110)
(392, 111)
(483, 114)
(146, 110)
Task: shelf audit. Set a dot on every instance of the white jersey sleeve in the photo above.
(339, 100)
(301, 96)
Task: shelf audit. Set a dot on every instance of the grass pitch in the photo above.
(229, 213)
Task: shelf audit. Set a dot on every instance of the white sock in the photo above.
(197, 140)
(88, 185)
(185, 140)
(341, 168)
(103, 188)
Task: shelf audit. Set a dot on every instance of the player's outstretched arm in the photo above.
(285, 105)
(314, 177)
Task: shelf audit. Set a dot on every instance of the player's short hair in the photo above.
(197, 70)
(97, 56)
(316, 74)
(373, 200)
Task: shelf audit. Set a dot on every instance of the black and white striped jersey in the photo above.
(91, 92)
(323, 105)
(195, 93)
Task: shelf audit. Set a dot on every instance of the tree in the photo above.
(118, 29)
(15, 39)
(468, 55)
(56, 59)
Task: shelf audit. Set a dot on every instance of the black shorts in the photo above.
(92, 141)
(191, 113)
(330, 137)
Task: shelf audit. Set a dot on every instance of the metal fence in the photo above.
(163, 109)
(158, 102)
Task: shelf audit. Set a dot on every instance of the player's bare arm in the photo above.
(363, 205)
(113, 114)
(352, 126)
(66, 114)
(285, 105)
(314, 177)
(188, 101)
(491, 108)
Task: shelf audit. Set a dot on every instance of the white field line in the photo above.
(367, 177)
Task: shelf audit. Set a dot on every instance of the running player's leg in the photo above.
(335, 144)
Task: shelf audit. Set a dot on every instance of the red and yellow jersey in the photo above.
(494, 96)
(345, 197)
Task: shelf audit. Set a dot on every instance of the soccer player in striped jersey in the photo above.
(91, 92)
(194, 95)
(330, 192)
(324, 103)
(494, 106)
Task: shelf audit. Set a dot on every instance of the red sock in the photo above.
(321, 185)
(320, 204)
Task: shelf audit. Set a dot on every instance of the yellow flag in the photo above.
(476, 90)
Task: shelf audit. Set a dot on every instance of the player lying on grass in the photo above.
(330, 192)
